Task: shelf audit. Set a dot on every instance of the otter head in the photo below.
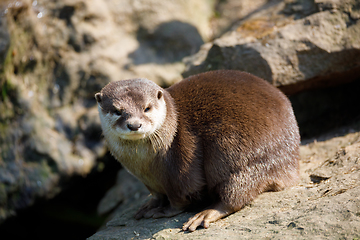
(131, 109)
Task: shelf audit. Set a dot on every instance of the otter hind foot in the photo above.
(206, 217)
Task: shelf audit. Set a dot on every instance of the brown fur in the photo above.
(236, 137)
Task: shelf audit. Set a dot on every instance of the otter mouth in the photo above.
(133, 136)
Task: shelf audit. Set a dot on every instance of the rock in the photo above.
(4, 41)
(153, 32)
(55, 55)
(321, 208)
(295, 45)
(58, 55)
(322, 110)
(227, 13)
(127, 190)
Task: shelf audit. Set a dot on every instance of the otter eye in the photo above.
(118, 112)
(147, 109)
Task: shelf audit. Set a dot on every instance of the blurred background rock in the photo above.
(55, 55)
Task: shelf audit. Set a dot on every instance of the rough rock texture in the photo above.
(296, 45)
(227, 13)
(54, 56)
(325, 205)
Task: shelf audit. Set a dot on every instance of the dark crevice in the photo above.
(322, 110)
(330, 80)
(71, 214)
(66, 13)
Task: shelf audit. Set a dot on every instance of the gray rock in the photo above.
(4, 41)
(290, 46)
(125, 192)
(228, 13)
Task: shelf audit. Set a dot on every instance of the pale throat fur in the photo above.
(137, 151)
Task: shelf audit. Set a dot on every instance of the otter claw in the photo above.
(204, 219)
(194, 222)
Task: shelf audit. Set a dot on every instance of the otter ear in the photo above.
(98, 97)
(159, 94)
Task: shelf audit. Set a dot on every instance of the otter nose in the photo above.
(134, 127)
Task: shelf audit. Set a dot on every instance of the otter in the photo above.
(217, 140)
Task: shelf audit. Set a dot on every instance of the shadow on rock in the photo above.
(227, 58)
(168, 43)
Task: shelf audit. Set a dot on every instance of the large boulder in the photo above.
(295, 45)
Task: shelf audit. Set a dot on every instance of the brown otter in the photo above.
(223, 135)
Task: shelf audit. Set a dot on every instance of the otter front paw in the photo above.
(204, 219)
(155, 208)
(160, 212)
(149, 206)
